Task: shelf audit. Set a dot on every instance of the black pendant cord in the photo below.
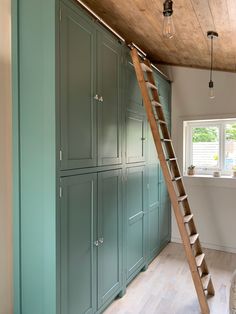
(211, 59)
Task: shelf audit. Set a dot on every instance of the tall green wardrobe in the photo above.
(91, 209)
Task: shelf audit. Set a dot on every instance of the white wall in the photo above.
(213, 200)
(5, 161)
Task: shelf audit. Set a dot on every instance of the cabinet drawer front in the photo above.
(77, 79)
(77, 235)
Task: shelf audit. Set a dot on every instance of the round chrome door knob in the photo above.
(96, 97)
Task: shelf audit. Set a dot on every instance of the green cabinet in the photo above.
(90, 241)
(90, 102)
(110, 234)
(135, 137)
(90, 202)
(135, 217)
(77, 237)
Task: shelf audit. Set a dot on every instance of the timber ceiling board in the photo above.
(140, 21)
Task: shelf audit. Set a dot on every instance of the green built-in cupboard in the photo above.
(91, 208)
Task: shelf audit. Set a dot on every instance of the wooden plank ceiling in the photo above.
(140, 21)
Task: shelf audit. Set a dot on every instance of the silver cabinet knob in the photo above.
(96, 97)
(100, 99)
(101, 240)
(96, 243)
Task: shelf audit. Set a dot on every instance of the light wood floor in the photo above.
(166, 287)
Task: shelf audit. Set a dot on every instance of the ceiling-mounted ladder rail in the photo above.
(173, 178)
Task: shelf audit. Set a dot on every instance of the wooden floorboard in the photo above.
(166, 287)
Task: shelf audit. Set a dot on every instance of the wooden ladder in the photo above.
(179, 199)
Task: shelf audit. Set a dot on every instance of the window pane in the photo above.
(205, 142)
(230, 146)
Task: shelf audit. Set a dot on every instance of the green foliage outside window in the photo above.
(208, 134)
(230, 132)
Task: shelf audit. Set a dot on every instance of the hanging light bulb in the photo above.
(211, 90)
(211, 35)
(168, 28)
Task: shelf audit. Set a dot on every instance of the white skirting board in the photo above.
(209, 246)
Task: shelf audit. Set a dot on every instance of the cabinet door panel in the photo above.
(109, 229)
(165, 212)
(135, 137)
(78, 114)
(152, 152)
(135, 202)
(134, 97)
(109, 110)
(78, 233)
(154, 202)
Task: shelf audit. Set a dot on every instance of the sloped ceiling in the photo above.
(140, 21)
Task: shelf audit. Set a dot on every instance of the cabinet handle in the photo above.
(100, 99)
(96, 97)
(143, 138)
(101, 240)
(96, 243)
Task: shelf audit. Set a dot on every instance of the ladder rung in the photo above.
(199, 259)
(182, 198)
(187, 218)
(150, 85)
(171, 159)
(205, 280)
(156, 103)
(193, 238)
(166, 140)
(145, 68)
(161, 121)
(176, 179)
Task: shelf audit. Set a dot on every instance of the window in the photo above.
(210, 145)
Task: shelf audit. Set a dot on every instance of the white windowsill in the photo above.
(209, 176)
(209, 180)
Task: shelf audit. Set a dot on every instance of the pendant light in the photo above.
(211, 35)
(168, 28)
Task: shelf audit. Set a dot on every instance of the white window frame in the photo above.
(188, 144)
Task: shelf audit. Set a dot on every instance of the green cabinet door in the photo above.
(134, 99)
(153, 211)
(109, 104)
(164, 213)
(152, 152)
(77, 249)
(135, 137)
(135, 211)
(109, 235)
(77, 90)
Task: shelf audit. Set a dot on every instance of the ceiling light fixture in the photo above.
(211, 35)
(168, 28)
